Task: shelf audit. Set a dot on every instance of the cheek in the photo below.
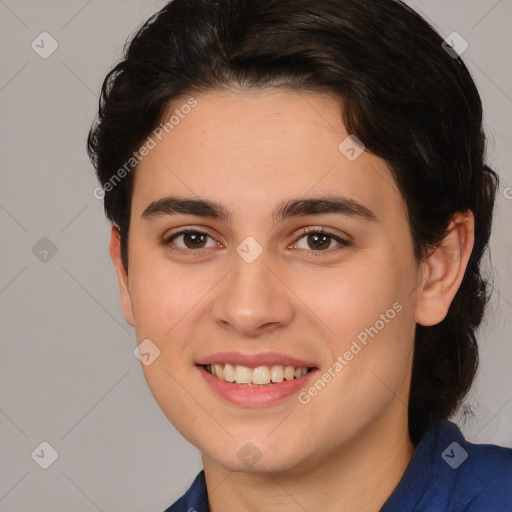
(370, 376)
(369, 311)
(161, 294)
(351, 298)
(176, 396)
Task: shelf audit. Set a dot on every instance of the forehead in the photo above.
(251, 150)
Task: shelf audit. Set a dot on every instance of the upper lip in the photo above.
(254, 360)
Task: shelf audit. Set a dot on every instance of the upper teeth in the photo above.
(258, 375)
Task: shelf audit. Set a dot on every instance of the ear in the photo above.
(122, 276)
(444, 269)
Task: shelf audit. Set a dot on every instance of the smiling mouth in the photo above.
(258, 376)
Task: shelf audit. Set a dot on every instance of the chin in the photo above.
(249, 459)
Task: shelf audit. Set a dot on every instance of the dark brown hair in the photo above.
(404, 96)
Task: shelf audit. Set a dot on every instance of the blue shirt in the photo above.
(445, 474)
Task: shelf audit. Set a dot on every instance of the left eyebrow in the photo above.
(322, 205)
(293, 208)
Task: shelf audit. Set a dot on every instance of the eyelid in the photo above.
(325, 231)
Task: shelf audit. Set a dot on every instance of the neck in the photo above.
(358, 476)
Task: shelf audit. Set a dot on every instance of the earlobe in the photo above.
(444, 270)
(122, 276)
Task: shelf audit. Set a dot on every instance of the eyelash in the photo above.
(303, 232)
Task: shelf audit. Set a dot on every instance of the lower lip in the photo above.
(254, 396)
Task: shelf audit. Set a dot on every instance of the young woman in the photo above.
(300, 206)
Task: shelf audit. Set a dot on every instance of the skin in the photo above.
(349, 446)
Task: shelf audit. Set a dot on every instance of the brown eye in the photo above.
(188, 240)
(194, 240)
(318, 240)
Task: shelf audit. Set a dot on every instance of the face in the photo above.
(305, 261)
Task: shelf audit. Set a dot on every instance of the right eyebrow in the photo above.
(186, 206)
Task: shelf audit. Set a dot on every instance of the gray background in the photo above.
(68, 375)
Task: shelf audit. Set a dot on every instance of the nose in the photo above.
(253, 299)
